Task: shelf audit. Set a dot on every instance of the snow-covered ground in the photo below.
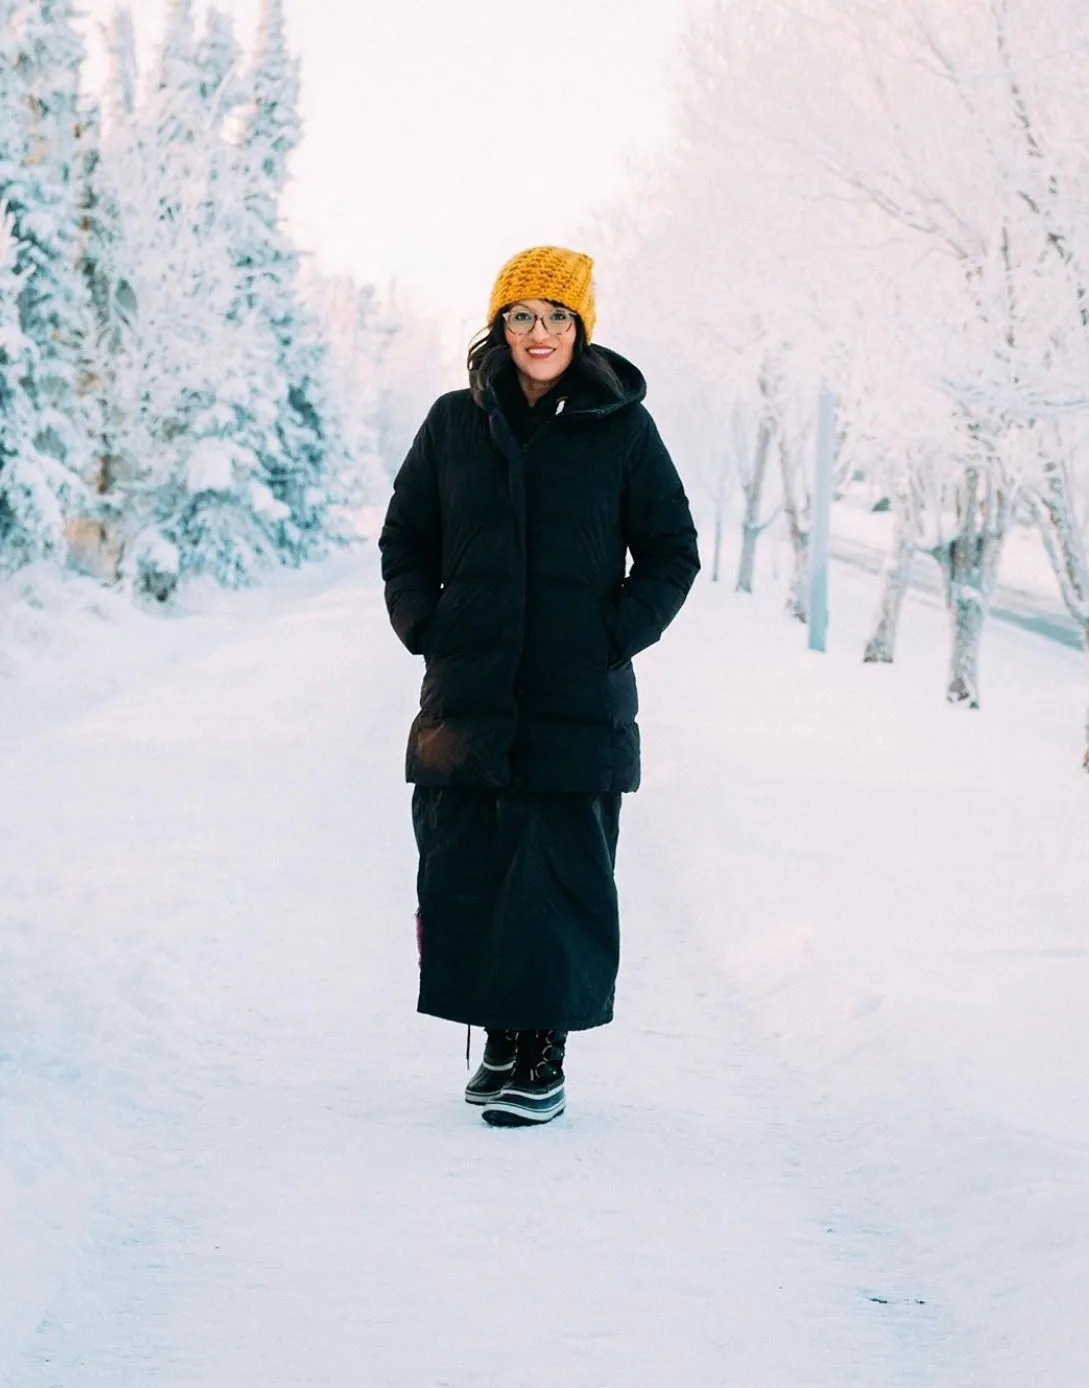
(838, 1135)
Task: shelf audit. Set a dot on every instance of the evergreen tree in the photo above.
(32, 484)
(40, 57)
(223, 90)
(364, 333)
(307, 464)
(121, 43)
(166, 390)
(103, 264)
(196, 500)
(218, 59)
(97, 236)
(113, 304)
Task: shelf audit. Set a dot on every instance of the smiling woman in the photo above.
(504, 555)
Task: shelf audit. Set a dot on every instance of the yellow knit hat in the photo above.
(548, 272)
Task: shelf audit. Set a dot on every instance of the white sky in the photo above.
(443, 135)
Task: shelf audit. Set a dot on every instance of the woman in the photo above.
(504, 558)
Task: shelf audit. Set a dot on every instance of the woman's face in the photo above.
(541, 357)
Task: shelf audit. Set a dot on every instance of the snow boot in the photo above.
(534, 1093)
(495, 1069)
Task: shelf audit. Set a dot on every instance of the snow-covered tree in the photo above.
(352, 321)
(40, 56)
(718, 300)
(124, 72)
(407, 363)
(195, 498)
(92, 537)
(947, 159)
(176, 407)
(305, 459)
(986, 173)
(33, 484)
(96, 539)
(218, 58)
(388, 366)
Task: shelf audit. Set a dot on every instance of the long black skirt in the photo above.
(519, 927)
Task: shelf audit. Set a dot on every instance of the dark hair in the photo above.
(488, 352)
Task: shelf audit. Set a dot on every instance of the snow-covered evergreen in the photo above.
(32, 484)
(170, 398)
(124, 73)
(96, 541)
(305, 459)
(40, 57)
(219, 59)
(196, 500)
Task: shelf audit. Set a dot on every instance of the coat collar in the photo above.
(579, 392)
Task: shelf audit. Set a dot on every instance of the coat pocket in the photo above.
(458, 623)
(425, 639)
(614, 655)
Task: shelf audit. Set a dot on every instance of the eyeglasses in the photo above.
(524, 320)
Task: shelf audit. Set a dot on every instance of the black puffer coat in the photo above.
(504, 557)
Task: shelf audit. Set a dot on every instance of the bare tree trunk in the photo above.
(751, 525)
(965, 600)
(797, 604)
(798, 597)
(969, 564)
(895, 576)
(1053, 506)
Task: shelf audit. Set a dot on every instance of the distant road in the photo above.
(1013, 605)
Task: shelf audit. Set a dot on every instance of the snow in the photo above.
(211, 466)
(837, 1135)
(156, 552)
(265, 504)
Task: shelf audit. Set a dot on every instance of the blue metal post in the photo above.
(818, 530)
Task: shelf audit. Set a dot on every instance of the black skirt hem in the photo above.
(453, 1012)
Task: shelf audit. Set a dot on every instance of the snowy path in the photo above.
(239, 1155)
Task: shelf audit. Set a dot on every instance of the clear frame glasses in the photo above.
(524, 320)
